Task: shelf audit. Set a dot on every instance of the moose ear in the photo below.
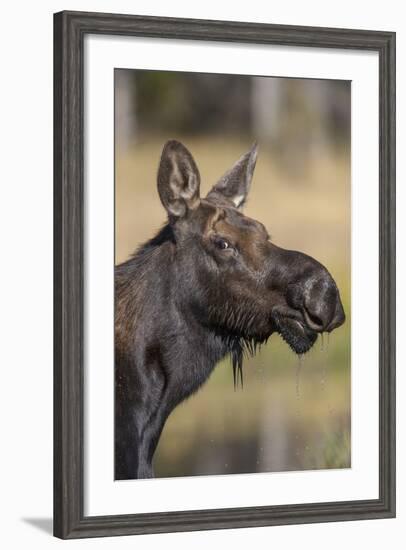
(235, 184)
(178, 180)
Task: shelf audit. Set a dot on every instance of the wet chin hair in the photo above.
(298, 337)
(236, 327)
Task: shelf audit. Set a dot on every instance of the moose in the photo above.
(211, 283)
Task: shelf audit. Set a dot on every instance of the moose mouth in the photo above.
(295, 332)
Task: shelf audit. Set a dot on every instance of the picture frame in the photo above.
(70, 29)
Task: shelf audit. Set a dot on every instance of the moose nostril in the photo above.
(314, 320)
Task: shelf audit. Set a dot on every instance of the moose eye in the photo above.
(222, 244)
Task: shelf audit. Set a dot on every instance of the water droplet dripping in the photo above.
(298, 370)
(322, 341)
(324, 374)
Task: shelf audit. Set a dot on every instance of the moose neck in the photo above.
(156, 294)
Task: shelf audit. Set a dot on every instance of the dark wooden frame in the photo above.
(69, 31)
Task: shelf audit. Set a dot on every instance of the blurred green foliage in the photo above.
(192, 103)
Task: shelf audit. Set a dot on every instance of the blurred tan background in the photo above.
(289, 416)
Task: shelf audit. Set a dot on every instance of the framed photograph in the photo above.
(224, 275)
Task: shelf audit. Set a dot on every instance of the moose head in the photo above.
(236, 280)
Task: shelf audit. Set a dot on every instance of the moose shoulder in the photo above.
(210, 283)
